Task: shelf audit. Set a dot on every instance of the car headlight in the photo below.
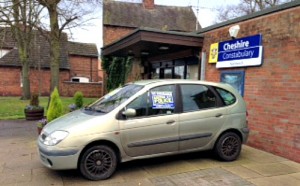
(55, 137)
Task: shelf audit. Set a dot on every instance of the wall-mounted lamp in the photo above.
(233, 31)
(144, 53)
(130, 53)
(163, 47)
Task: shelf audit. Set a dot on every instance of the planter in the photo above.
(39, 130)
(35, 114)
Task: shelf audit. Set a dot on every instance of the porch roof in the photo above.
(153, 42)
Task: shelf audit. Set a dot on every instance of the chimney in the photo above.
(148, 4)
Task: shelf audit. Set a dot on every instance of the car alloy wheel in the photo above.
(98, 163)
(228, 146)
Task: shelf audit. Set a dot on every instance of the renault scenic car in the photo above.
(146, 119)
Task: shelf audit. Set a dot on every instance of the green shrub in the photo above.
(55, 109)
(78, 99)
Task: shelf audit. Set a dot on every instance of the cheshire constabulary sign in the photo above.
(241, 52)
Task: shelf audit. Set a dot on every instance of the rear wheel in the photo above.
(98, 162)
(228, 146)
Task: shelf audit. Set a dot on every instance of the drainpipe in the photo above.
(203, 64)
(91, 67)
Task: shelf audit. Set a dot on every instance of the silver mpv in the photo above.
(146, 119)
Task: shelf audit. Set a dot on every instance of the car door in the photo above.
(201, 118)
(154, 128)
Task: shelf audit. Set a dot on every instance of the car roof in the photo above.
(157, 82)
(176, 81)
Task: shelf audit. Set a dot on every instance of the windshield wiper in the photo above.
(88, 108)
(99, 110)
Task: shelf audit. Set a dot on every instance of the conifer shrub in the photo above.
(78, 99)
(55, 109)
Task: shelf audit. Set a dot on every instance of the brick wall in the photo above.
(272, 91)
(88, 89)
(10, 80)
(136, 71)
(113, 33)
(148, 4)
(84, 67)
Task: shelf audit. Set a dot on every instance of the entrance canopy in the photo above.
(155, 44)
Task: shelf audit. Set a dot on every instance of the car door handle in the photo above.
(219, 115)
(170, 122)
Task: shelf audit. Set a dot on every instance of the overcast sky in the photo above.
(206, 17)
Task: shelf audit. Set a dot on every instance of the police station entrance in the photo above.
(184, 68)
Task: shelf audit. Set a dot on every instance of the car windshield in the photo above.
(113, 99)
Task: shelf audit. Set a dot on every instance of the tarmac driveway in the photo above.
(19, 165)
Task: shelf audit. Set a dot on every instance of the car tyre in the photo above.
(98, 162)
(228, 146)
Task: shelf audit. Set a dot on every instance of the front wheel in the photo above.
(98, 162)
(228, 146)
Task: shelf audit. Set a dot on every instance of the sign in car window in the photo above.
(241, 52)
(162, 100)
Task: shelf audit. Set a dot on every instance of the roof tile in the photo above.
(82, 49)
(126, 14)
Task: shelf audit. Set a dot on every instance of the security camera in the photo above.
(233, 31)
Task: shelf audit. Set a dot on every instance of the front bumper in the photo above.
(58, 158)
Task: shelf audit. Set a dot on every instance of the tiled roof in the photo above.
(40, 54)
(161, 17)
(82, 49)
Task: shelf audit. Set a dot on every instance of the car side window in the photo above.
(140, 104)
(228, 98)
(157, 101)
(162, 100)
(197, 97)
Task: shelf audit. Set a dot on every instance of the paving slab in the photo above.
(282, 180)
(271, 169)
(296, 175)
(243, 172)
(213, 176)
(20, 165)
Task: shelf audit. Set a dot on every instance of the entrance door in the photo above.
(168, 73)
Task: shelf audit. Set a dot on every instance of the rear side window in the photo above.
(197, 97)
(228, 98)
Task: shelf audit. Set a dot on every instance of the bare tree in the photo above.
(20, 16)
(64, 14)
(245, 7)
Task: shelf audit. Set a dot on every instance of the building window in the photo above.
(235, 79)
(175, 69)
(3, 52)
(21, 80)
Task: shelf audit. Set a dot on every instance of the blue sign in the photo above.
(162, 100)
(241, 52)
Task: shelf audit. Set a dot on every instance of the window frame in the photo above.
(222, 99)
(120, 116)
(219, 101)
(241, 74)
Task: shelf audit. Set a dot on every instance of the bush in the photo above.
(55, 109)
(78, 99)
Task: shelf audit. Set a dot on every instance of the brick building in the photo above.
(121, 19)
(78, 62)
(271, 89)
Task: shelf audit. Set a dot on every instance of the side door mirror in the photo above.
(129, 112)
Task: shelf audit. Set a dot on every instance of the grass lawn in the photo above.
(13, 107)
